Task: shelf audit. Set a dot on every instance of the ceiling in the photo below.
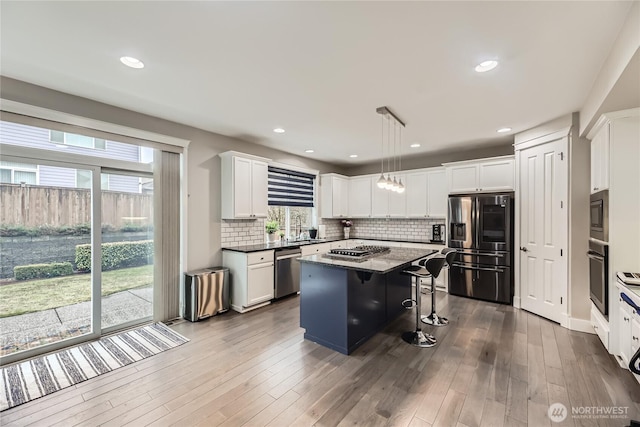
(320, 69)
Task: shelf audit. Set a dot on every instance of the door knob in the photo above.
(524, 249)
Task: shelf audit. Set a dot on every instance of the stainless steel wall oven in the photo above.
(599, 215)
(599, 275)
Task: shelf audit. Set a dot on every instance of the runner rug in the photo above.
(44, 375)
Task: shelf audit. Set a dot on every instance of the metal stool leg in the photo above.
(433, 318)
(418, 338)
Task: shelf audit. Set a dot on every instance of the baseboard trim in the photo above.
(580, 325)
(516, 302)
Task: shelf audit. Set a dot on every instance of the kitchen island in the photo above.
(345, 302)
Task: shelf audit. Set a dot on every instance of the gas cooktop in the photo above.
(358, 253)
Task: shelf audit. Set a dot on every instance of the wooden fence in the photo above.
(34, 205)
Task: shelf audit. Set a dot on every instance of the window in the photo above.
(18, 173)
(64, 138)
(291, 200)
(83, 179)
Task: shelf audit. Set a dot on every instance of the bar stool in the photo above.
(433, 318)
(432, 265)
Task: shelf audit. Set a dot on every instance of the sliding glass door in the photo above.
(127, 249)
(47, 283)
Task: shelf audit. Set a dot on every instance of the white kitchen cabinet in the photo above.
(252, 276)
(243, 186)
(340, 244)
(386, 203)
(624, 319)
(437, 196)
(417, 194)
(318, 248)
(483, 175)
(628, 327)
(600, 326)
(600, 160)
(334, 196)
(360, 197)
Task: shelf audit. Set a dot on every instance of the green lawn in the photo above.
(42, 294)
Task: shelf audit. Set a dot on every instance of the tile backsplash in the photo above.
(240, 232)
(384, 228)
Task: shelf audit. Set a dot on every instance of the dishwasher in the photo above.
(287, 272)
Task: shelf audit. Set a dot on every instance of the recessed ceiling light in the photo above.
(503, 130)
(486, 66)
(132, 62)
(308, 151)
(353, 156)
(278, 130)
(414, 145)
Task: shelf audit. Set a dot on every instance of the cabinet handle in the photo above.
(626, 319)
(634, 338)
(595, 327)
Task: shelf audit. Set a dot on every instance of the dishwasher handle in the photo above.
(298, 255)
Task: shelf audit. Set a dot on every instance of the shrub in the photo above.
(38, 271)
(7, 230)
(116, 255)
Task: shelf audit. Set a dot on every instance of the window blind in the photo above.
(290, 188)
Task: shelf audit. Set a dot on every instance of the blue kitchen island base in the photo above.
(341, 308)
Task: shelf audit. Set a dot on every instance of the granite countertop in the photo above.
(277, 245)
(384, 263)
(295, 244)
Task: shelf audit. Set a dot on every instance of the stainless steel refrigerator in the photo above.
(481, 229)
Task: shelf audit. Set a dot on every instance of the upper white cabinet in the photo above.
(437, 196)
(334, 196)
(600, 159)
(483, 175)
(244, 186)
(426, 193)
(386, 203)
(360, 196)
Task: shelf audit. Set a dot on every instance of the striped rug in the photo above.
(44, 375)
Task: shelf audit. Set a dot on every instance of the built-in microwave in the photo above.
(599, 215)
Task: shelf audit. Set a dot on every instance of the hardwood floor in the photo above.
(493, 366)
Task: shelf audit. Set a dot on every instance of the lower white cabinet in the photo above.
(628, 328)
(600, 326)
(251, 278)
(319, 248)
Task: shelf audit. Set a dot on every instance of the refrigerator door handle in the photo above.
(468, 267)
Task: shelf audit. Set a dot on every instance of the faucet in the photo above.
(298, 227)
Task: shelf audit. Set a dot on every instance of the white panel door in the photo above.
(259, 189)
(543, 229)
(242, 188)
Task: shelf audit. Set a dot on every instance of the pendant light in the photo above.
(400, 184)
(390, 182)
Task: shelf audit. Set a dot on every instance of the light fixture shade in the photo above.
(400, 186)
(395, 185)
(389, 182)
(382, 182)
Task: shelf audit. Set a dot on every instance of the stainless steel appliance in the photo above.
(206, 293)
(287, 272)
(599, 215)
(599, 275)
(481, 229)
(437, 233)
(358, 253)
